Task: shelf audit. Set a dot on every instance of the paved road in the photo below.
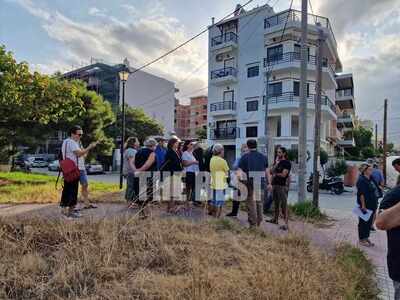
(108, 177)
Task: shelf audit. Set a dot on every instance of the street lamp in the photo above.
(123, 77)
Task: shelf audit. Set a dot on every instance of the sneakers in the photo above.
(72, 215)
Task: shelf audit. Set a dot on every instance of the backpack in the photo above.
(68, 168)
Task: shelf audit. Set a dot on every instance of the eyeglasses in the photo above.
(79, 134)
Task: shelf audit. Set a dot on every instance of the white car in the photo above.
(54, 166)
(38, 162)
(94, 168)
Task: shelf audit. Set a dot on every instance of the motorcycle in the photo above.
(333, 184)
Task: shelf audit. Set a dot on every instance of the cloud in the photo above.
(96, 12)
(141, 39)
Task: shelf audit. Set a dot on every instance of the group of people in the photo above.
(385, 215)
(174, 160)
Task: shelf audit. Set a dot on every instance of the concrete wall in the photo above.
(154, 94)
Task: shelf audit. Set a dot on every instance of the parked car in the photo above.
(38, 162)
(54, 166)
(94, 168)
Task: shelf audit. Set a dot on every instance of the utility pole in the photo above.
(317, 128)
(385, 139)
(303, 105)
(376, 137)
(266, 130)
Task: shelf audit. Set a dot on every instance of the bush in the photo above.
(323, 157)
(292, 154)
(307, 210)
(337, 169)
(368, 152)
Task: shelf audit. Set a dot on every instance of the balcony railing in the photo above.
(229, 71)
(290, 97)
(224, 38)
(295, 16)
(295, 56)
(228, 133)
(344, 93)
(224, 105)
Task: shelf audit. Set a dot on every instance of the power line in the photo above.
(188, 41)
(240, 55)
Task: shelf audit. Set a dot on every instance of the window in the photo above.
(228, 96)
(252, 105)
(251, 131)
(197, 123)
(253, 71)
(296, 89)
(278, 127)
(205, 118)
(275, 53)
(204, 106)
(297, 51)
(275, 89)
(295, 126)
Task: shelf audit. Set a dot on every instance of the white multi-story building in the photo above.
(242, 50)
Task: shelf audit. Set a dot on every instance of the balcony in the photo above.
(293, 19)
(345, 99)
(345, 121)
(227, 41)
(291, 61)
(223, 108)
(347, 142)
(290, 100)
(224, 76)
(229, 133)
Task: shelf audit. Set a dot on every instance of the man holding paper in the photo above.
(367, 201)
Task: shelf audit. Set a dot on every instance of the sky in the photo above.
(59, 35)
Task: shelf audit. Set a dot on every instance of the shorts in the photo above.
(83, 179)
(218, 198)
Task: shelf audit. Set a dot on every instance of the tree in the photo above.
(33, 106)
(201, 133)
(363, 139)
(137, 124)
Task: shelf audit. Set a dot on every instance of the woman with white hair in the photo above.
(219, 172)
(146, 161)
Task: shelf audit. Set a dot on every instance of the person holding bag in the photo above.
(71, 163)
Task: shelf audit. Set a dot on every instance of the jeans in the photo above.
(396, 285)
(280, 196)
(130, 192)
(364, 228)
(69, 196)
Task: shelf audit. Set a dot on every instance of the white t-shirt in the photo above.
(188, 156)
(68, 148)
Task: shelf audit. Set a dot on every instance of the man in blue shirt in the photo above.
(160, 151)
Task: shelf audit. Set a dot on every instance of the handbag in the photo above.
(69, 168)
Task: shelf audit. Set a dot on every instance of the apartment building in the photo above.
(247, 50)
(182, 120)
(191, 117)
(345, 111)
(155, 95)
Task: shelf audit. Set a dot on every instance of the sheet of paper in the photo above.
(357, 211)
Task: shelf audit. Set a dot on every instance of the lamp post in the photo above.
(123, 77)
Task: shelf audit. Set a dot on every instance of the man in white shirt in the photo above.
(71, 148)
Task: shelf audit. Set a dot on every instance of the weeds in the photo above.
(164, 259)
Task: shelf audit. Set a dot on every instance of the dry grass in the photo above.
(163, 259)
(18, 188)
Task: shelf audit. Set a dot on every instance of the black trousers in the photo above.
(69, 196)
(364, 228)
(190, 181)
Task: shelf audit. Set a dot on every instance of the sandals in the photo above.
(366, 243)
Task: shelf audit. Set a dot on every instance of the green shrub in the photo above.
(323, 157)
(368, 152)
(337, 169)
(307, 210)
(292, 154)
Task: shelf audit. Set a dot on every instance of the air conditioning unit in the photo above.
(219, 57)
